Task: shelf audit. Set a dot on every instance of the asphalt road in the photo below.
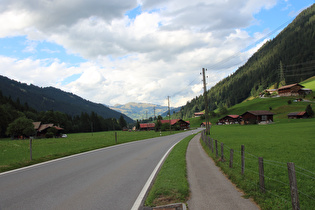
(109, 178)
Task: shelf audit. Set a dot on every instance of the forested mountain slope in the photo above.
(49, 98)
(294, 47)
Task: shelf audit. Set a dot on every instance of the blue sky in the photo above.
(134, 51)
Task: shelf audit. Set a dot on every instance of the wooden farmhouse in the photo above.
(229, 119)
(198, 114)
(178, 122)
(298, 115)
(290, 90)
(42, 129)
(203, 124)
(147, 126)
(259, 116)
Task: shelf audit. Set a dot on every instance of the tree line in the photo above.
(86, 122)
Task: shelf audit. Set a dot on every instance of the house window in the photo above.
(264, 117)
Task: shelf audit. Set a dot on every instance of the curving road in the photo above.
(108, 178)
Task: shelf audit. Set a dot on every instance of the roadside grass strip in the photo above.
(171, 184)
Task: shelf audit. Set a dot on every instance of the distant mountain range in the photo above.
(50, 98)
(142, 110)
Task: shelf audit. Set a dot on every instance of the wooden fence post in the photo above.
(231, 158)
(116, 137)
(212, 147)
(293, 186)
(243, 159)
(222, 156)
(31, 148)
(261, 174)
(216, 148)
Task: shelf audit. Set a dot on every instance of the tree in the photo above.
(309, 110)
(21, 127)
(122, 122)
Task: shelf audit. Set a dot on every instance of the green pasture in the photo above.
(309, 83)
(279, 106)
(16, 153)
(278, 144)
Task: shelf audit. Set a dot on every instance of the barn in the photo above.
(258, 116)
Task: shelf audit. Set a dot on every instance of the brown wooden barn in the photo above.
(298, 115)
(229, 119)
(258, 116)
(290, 90)
(181, 123)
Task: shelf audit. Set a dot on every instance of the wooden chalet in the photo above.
(203, 124)
(258, 116)
(198, 114)
(147, 126)
(290, 90)
(178, 122)
(229, 119)
(298, 115)
(41, 129)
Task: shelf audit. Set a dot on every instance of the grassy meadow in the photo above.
(16, 153)
(279, 143)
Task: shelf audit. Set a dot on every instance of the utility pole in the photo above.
(169, 113)
(154, 113)
(206, 102)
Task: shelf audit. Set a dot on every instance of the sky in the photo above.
(115, 52)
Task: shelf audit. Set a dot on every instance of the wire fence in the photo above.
(284, 185)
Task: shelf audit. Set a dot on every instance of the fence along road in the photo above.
(109, 178)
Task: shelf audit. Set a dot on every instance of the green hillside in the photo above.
(293, 48)
(50, 98)
(279, 106)
(309, 83)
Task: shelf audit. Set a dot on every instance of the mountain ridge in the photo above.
(51, 98)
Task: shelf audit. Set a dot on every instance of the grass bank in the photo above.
(278, 143)
(16, 153)
(171, 185)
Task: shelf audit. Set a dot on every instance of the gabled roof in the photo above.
(297, 113)
(174, 121)
(204, 123)
(168, 121)
(289, 86)
(36, 125)
(45, 126)
(259, 112)
(147, 125)
(234, 116)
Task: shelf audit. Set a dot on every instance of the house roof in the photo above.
(289, 86)
(147, 125)
(297, 113)
(199, 113)
(234, 116)
(36, 125)
(174, 121)
(204, 123)
(259, 112)
(45, 126)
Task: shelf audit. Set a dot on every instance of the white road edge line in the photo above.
(63, 158)
(145, 188)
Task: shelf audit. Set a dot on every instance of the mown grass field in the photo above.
(278, 144)
(16, 153)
